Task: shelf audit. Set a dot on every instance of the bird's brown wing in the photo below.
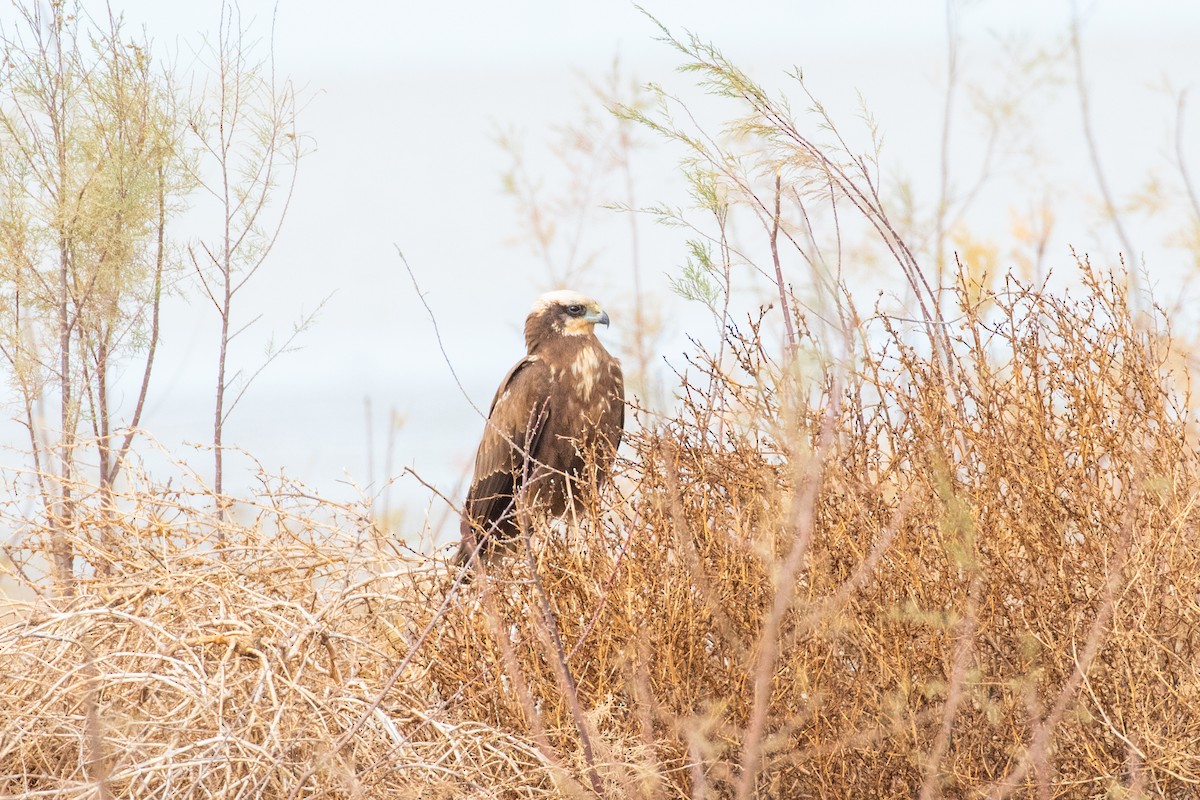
(612, 424)
(516, 422)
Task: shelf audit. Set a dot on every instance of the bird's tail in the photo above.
(462, 556)
(469, 545)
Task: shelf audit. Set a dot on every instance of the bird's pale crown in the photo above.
(564, 297)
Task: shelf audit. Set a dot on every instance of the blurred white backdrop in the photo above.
(404, 105)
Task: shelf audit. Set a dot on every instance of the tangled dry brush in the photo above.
(902, 571)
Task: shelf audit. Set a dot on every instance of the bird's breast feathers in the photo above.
(585, 369)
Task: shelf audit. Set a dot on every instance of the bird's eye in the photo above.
(575, 310)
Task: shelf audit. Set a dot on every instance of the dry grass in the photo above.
(888, 576)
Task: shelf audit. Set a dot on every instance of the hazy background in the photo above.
(404, 106)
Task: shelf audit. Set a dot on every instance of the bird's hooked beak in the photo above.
(597, 316)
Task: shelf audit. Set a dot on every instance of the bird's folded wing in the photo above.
(612, 425)
(516, 421)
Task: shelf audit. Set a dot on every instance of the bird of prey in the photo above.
(555, 423)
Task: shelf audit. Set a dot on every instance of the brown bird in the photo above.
(555, 423)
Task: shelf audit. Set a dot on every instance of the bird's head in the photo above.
(563, 313)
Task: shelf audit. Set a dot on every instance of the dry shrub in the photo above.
(997, 591)
(263, 666)
(889, 574)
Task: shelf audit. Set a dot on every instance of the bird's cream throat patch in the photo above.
(575, 326)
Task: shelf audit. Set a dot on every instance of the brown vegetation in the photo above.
(889, 576)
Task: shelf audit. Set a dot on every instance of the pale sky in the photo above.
(404, 104)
